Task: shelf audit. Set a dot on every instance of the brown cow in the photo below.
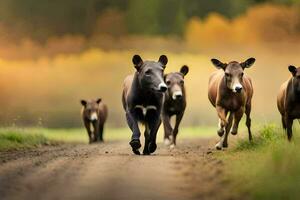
(174, 104)
(94, 113)
(230, 92)
(288, 100)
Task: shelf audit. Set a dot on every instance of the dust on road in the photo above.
(110, 171)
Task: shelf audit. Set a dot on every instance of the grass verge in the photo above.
(267, 168)
(16, 138)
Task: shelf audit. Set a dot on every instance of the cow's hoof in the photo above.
(152, 147)
(233, 132)
(218, 146)
(220, 132)
(172, 146)
(225, 145)
(135, 144)
(146, 152)
(136, 152)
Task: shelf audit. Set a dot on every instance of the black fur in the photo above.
(142, 91)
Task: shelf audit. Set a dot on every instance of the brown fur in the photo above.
(288, 101)
(94, 127)
(230, 105)
(174, 104)
(281, 97)
(127, 87)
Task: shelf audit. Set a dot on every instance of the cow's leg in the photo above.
(229, 120)
(88, 129)
(248, 120)
(154, 124)
(289, 126)
(283, 122)
(221, 128)
(135, 138)
(227, 129)
(237, 118)
(167, 128)
(147, 137)
(223, 141)
(101, 128)
(95, 130)
(222, 117)
(175, 131)
(222, 120)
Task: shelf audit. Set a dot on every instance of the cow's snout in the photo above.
(94, 116)
(238, 88)
(162, 87)
(177, 95)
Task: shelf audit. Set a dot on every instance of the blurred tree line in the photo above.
(40, 19)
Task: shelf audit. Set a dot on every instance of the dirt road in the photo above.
(110, 171)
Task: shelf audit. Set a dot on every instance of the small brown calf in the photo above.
(230, 92)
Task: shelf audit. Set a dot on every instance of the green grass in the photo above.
(16, 138)
(266, 134)
(267, 168)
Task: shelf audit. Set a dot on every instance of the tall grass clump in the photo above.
(267, 168)
(266, 135)
(280, 176)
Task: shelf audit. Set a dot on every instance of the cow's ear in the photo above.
(293, 70)
(248, 63)
(137, 61)
(218, 64)
(184, 70)
(163, 60)
(98, 100)
(83, 102)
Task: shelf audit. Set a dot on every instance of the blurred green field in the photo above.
(266, 169)
(16, 138)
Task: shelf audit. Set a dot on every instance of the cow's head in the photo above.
(91, 109)
(295, 71)
(234, 72)
(150, 73)
(175, 83)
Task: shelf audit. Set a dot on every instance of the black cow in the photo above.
(142, 100)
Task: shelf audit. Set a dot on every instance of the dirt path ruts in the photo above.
(110, 171)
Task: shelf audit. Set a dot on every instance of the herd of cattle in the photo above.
(151, 97)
